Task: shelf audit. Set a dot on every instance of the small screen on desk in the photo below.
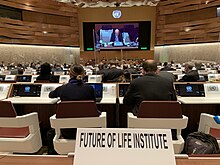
(123, 89)
(2, 77)
(22, 78)
(27, 90)
(85, 78)
(134, 76)
(98, 87)
(190, 90)
(56, 79)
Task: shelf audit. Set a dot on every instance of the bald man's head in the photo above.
(150, 66)
(117, 32)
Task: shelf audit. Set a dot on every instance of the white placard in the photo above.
(98, 146)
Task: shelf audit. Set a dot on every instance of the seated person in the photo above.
(116, 37)
(128, 71)
(76, 89)
(148, 87)
(167, 75)
(190, 75)
(82, 91)
(111, 75)
(166, 67)
(45, 74)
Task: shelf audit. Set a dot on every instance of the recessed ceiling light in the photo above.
(187, 29)
(45, 32)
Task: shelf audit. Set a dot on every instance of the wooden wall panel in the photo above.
(187, 21)
(45, 22)
(45, 18)
(42, 6)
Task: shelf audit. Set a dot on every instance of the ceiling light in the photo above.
(187, 29)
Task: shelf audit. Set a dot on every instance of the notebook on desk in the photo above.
(26, 90)
(98, 87)
(190, 90)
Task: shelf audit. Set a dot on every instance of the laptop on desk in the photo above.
(2, 77)
(122, 89)
(98, 87)
(23, 78)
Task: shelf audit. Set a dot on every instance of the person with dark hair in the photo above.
(128, 72)
(112, 74)
(45, 73)
(76, 89)
(148, 87)
(166, 67)
(190, 74)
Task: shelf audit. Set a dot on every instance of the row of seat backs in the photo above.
(70, 109)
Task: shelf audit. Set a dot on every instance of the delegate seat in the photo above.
(74, 114)
(161, 115)
(210, 124)
(19, 134)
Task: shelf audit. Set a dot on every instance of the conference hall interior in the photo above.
(68, 66)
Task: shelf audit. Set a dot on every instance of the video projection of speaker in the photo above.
(117, 36)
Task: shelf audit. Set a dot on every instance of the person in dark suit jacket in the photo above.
(112, 74)
(116, 36)
(74, 90)
(191, 75)
(167, 75)
(148, 87)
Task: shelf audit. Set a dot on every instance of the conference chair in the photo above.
(210, 124)
(161, 115)
(18, 134)
(74, 114)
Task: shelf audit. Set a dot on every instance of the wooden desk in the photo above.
(63, 160)
(198, 161)
(35, 160)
